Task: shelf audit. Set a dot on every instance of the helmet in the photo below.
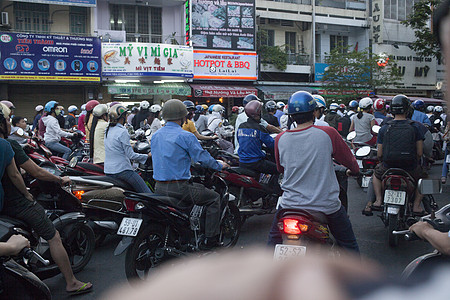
(301, 102)
(419, 105)
(210, 108)
(4, 110)
(271, 105)
(134, 110)
(285, 109)
(50, 105)
(144, 104)
(205, 107)
(199, 109)
(173, 110)
(39, 108)
(113, 103)
(218, 108)
(155, 108)
(249, 98)
(116, 112)
(334, 106)
(253, 109)
(100, 110)
(241, 109)
(235, 109)
(72, 108)
(353, 104)
(189, 104)
(91, 104)
(342, 106)
(280, 104)
(430, 108)
(438, 109)
(379, 104)
(8, 104)
(400, 104)
(320, 101)
(83, 107)
(365, 103)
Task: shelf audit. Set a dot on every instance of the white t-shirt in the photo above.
(362, 127)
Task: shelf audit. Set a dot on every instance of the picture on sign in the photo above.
(223, 24)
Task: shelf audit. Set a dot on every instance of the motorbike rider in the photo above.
(61, 118)
(318, 111)
(439, 240)
(71, 118)
(19, 123)
(215, 120)
(189, 124)
(153, 119)
(332, 116)
(10, 106)
(200, 120)
(430, 109)
(418, 114)
(352, 108)
(139, 120)
(134, 111)
(280, 111)
(234, 114)
(271, 108)
(39, 112)
(363, 122)
(341, 111)
(400, 107)
(19, 204)
(303, 187)
(53, 131)
(99, 125)
(173, 149)
(437, 111)
(90, 105)
(379, 106)
(81, 119)
(118, 151)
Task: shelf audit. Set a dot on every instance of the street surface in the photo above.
(106, 270)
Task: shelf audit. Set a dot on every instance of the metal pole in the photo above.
(313, 25)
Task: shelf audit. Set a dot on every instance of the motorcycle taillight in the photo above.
(293, 226)
(369, 163)
(130, 204)
(396, 183)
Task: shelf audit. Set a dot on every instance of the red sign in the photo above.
(218, 91)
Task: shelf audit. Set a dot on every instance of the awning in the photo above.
(282, 92)
(180, 89)
(218, 91)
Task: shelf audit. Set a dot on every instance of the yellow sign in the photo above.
(52, 78)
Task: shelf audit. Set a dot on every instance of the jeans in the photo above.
(133, 179)
(58, 148)
(339, 225)
(261, 166)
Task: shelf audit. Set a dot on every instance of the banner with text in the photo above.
(89, 3)
(145, 59)
(49, 57)
(225, 65)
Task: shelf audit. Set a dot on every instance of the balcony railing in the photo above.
(306, 2)
(298, 59)
(344, 4)
(155, 38)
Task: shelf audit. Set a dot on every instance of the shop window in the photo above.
(268, 39)
(398, 9)
(141, 23)
(78, 19)
(290, 38)
(31, 17)
(338, 41)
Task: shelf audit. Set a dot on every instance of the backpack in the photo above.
(343, 125)
(399, 144)
(332, 118)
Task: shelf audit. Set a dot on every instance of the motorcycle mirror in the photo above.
(437, 121)
(351, 136)
(73, 162)
(20, 131)
(148, 132)
(429, 186)
(376, 128)
(364, 151)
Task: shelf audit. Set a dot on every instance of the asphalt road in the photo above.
(106, 270)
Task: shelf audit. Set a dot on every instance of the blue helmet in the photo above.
(199, 109)
(50, 105)
(301, 102)
(210, 108)
(249, 98)
(419, 105)
(353, 104)
(189, 104)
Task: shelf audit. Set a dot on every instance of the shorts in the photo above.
(417, 173)
(31, 213)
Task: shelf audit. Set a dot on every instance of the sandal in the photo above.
(443, 179)
(377, 208)
(82, 290)
(367, 211)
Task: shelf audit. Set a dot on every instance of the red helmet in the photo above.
(235, 109)
(379, 104)
(91, 104)
(342, 105)
(253, 109)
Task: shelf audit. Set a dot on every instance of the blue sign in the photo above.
(91, 3)
(319, 69)
(49, 57)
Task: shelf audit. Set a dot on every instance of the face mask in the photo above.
(57, 112)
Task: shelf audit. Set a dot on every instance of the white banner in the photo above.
(145, 59)
(377, 21)
(225, 65)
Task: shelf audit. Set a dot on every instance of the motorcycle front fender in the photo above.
(417, 264)
(123, 245)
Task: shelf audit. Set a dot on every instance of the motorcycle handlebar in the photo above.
(409, 235)
(29, 253)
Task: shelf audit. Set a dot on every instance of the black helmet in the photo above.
(249, 98)
(400, 104)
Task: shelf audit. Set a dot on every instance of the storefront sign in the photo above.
(319, 71)
(225, 24)
(154, 89)
(225, 65)
(377, 21)
(49, 57)
(91, 3)
(145, 59)
(218, 91)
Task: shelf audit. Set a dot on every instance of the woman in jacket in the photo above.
(99, 125)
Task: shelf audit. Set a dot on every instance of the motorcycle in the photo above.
(367, 161)
(155, 232)
(438, 140)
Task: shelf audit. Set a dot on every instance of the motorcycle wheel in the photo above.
(141, 255)
(392, 225)
(80, 250)
(230, 228)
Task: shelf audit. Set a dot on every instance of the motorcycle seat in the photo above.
(15, 222)
(118, 183)
(245, 171)
(159, 200)
(91, 167)
(315, 215)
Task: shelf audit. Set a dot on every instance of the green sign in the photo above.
(153, 89)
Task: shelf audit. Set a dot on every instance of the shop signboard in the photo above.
(218, 91)
(49, 57)
(89, 3)
(319, 71)
(155, 89)
(146, 59)
(225, 24)
(225, 65)
(377, 21)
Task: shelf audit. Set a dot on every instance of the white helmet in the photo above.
(72, 108)
(155, 108)
(100, 110)
(285, 109)
(218, 108)
(241, 109)
(334, 106)
(320, 101)
(280, 104)
(39, 108)
(430, 108)
(365, 102)
(144, 105)
(83, 107)
(438, 109)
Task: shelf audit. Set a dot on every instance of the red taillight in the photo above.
(369, 164)
(294, 226)
(130, 204)
(78, 194)
(395, 183)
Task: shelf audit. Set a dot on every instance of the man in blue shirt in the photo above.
(173, 149)
(419, 115)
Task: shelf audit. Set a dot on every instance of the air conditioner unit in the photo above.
(5, 19)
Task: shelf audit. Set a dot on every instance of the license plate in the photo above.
(129, 226)
(394, 197)
(393, 210)
(447, 159)
(360, 164)
(283, 252)
(365, 181)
